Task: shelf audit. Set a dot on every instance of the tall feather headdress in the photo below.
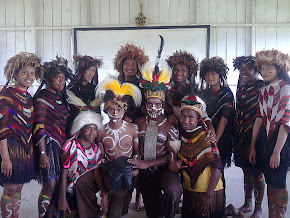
(156, 81)
(119, 91)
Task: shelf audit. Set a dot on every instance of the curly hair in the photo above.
(186, 58)
(216, 64)
(128, 51)
(85, 62)
(276, 58)
(55, 67)
(249, 60)
(20, 60)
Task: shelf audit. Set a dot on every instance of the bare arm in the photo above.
(281, 139)
(221, 128)
(6, 164)
(256, 130)
(211, 137)
(43, 160)
(63, 204)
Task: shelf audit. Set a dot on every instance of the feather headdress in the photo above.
(156, 81)
(216, 64)
(85, 118)
(186, 58)
(129, 51)
(20, 60)
(82, 64)
(273, 57)
(119, 91)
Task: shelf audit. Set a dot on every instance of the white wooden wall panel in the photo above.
(238, 27)
(124, 12)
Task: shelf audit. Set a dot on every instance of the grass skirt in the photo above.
(22, 164)
(53, 153)
(192, 204)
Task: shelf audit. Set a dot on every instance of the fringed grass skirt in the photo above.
(192, 204)
(53, 153)
(22, 164)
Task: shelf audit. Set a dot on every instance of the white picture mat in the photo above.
(106, 43)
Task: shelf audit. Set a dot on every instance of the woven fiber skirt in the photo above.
(192, 204)
(22, 164)
(53, 153)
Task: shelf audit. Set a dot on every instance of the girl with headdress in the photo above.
(271, 128)
(199, 163)
(81, 90)
(127, 62)
(247, 104)
(80, 176)
(49, 131)
(16, 119)
(184, 70)
(219, 101)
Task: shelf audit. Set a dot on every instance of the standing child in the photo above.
(51, 115)
(16, 120)
(219, 101)
(273, 124)
(246, 108)
(200, 164)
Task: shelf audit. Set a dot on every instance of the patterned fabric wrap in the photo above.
(51, 117)
(78, 161)
(274, 106)
(246, 110)
(22, 164)
(221, 103)
(197, 153)
(16, 116)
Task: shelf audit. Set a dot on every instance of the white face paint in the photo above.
(116, 114)
(154, 107)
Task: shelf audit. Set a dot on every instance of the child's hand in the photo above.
(275, 160)
(175, 165)
(104, 203)
(135, 172)
(6, 167)
(63, 206)
(252, 156)
(44, 161)
(206, 204)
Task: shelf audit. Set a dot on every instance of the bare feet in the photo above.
(139, 203)
(239, 215)
(257, 214)
(246, 208)
(231, 210)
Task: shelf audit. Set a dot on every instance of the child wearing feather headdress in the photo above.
(16, 125)
(248, 89)
(219, 101)
(127, 62)
(199, 163)
(49, 131)
(271, 128)
(81, 90)
(119, 141)
(157, 135)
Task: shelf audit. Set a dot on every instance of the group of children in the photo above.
(167, 135)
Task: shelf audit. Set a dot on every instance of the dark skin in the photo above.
(87, 136)
(189, 121)
(161, 159)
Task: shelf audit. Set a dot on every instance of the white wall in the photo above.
(238, 27)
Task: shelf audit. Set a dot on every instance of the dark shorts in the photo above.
(275, 178)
